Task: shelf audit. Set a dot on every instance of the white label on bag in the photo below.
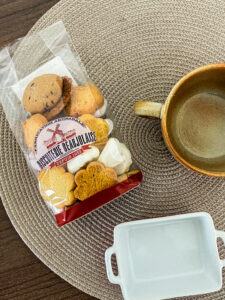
(60, 141)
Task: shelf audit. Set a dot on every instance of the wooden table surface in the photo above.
(22, 274)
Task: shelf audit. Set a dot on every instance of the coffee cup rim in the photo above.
(164, 120)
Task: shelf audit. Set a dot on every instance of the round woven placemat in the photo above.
(134, 50)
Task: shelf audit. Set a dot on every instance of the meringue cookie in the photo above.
(110, 155)
(127, 161)
(81, 160)
(116, 155)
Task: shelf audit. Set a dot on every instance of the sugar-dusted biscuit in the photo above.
(43, 93)
(100, 126)
(31, 127)
(66, 95)
(57, 186)
(95, 178)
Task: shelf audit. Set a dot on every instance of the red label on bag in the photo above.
(60, 140)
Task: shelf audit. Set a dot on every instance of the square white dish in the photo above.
(166, 257)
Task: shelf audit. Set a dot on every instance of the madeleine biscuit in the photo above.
(94, 179)
(57, 187)
(100, 126)
(31, 127)
(43, 93)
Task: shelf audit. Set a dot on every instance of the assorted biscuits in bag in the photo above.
(67, 137)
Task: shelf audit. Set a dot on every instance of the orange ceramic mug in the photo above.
(193, 119)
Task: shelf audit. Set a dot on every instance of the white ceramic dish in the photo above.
(166, 257)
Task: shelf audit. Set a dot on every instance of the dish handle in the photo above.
(221, 234)
(112, 278)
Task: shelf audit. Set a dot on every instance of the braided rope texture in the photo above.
(133, 50)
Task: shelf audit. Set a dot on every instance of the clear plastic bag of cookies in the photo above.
(61, 120)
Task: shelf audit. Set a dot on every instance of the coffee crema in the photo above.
(200, 125)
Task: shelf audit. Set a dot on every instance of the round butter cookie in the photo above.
(43, 93)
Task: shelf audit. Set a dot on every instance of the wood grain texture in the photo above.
(22, 274)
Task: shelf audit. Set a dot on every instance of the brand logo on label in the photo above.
(61, 140)
(63, 135)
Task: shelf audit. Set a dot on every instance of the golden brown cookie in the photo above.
(43, 93)
(56, 185)
(82, 102)
(66, 95)
(100, 126)
(31, 127)
(97, 95)
(94, 179)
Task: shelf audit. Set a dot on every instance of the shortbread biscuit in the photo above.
(57, 186)
(100, 126)
(31, 127)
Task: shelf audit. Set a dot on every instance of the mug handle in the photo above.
(149, 109)
(112, 278)
(221, 234)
